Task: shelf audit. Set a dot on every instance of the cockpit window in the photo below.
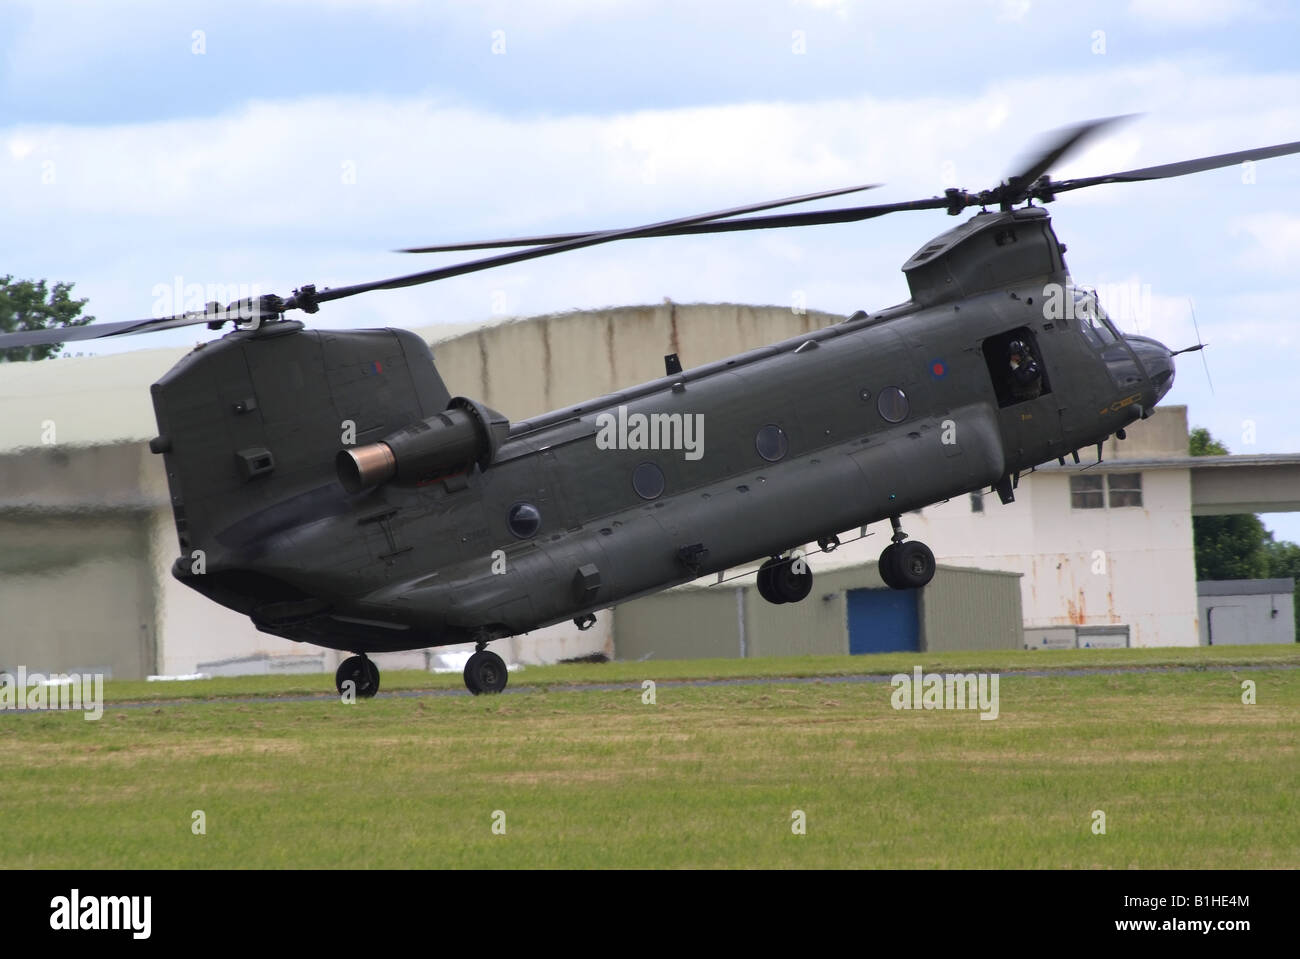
(1093, 319)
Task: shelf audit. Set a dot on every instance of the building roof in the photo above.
(1233, 460)
(1245, 587)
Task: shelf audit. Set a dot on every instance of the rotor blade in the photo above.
(809, 218)
(1056, 145)
(1181, 168)
(95, 331)
(1200, 346)
(566, 237)
(309, 297)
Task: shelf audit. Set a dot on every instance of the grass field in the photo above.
(707, 776)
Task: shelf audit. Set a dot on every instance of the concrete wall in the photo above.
(76, 593)
(526, 367)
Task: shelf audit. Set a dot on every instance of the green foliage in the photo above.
(31, 305)
(1283, 560)
(1226, 547)
(1201, 443)
(1230, 547)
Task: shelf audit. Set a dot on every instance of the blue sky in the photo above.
(278, 143)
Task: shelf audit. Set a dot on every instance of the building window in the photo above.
(977, 502)
(1087, 492)
(1125, 489)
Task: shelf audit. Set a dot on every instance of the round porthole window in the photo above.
(524, 520)
(892, 404)
(771, 443)
(648, 481)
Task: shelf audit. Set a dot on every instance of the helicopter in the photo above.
(327, 485)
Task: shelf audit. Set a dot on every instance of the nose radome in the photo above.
(1158, 361)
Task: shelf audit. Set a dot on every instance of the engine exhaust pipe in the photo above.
(365, 466)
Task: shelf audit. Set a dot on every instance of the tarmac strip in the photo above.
(680, 683)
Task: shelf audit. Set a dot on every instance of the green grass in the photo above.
(781, 666)
(1186, 774)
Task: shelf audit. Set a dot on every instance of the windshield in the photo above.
(1093, 319)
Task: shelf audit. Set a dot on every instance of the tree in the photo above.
(1226, 547)
(32, 305)
(1283, 560)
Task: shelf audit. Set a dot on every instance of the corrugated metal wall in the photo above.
(971, 609)
(960, 609)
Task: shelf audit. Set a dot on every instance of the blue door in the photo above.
(883, 621)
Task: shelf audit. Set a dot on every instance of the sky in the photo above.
(150, 148)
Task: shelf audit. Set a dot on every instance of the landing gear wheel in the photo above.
(913, 565)
(765, 587)
(790, 579)
(485, 672)
(361, 673)
(888, 566)
(780, 582)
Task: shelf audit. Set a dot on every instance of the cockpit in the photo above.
(1093, 320)
(1129, 359)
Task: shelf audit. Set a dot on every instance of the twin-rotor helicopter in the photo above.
(445, 523)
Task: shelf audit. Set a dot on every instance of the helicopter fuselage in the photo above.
(694, 473)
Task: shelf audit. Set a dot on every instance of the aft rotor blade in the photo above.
(567, 237)
(96, 331)
(1181, 168)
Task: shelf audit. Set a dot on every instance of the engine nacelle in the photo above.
(462, 436)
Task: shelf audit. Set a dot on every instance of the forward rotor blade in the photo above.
(1181, 168)
(1056, 145)
(1200, 344)
(810, 218)
(566, 237)
(309, 299)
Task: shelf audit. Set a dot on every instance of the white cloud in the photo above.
(1192, 13)
(1276, 238)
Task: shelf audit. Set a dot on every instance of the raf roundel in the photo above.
(938, 369)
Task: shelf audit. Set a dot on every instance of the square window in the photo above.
(1087, 492)
(1125, 489)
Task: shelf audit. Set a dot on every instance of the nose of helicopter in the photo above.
(1158, 362)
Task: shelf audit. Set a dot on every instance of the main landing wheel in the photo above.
(485, 672)
(907, 565)
(787, 580)
(361, 673)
